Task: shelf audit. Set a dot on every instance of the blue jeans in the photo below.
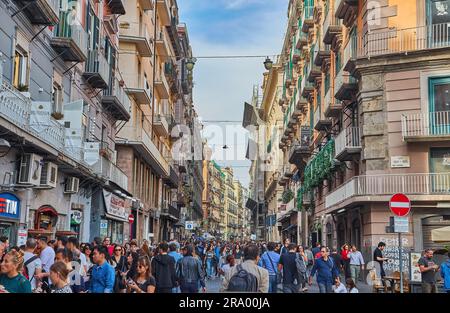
(290, 288)
(189, 287)
(325, 288)
(273, 284)
(209, 267)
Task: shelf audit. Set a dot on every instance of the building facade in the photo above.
(365, 99)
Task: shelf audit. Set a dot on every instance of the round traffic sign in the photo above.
(131, 218)
(400, 204)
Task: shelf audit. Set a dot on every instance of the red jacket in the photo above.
(344, 254)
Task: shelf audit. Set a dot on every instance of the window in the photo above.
(20, 75)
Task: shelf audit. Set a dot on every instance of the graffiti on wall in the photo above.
(392, 252)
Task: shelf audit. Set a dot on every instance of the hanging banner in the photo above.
(91, 152)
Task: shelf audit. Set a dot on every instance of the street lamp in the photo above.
(190, 63)
(268, 63)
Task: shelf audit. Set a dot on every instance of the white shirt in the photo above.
(356, 258)
(354, 290)
(47, 258)
(32, 267)
(340, 289)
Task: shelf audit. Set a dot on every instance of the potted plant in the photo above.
(57, 115)
(23, 89)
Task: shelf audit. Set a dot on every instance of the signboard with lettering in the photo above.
(414, 270)
(22, 235)
(400, 224)
(9, 206)
(115, 206)
(400, 161)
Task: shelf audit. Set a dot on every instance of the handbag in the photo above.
(279, 277)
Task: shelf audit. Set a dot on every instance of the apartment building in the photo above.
(213, 198)
(231, 214)
(60, 105)
(371, 81)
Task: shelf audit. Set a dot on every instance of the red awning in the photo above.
(47, 209)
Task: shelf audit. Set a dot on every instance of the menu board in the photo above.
(414, 270)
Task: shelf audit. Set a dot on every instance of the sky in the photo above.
(221, 86)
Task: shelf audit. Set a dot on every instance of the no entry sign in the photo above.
(131, 218)
(400, 204)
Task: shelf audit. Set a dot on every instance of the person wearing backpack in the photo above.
(32, 263)
(269, 260)
(247, 276)
(445, 274)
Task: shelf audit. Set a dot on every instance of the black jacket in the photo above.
(163, 269)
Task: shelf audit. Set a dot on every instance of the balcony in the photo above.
(322, 53)
(162, 49)
(118, 177)
(173, 178)
(117, 7)
(348, 144)
(163, 9)
(15, 107)
(345, 86)
(332, 28)
(432, 126)
(117, 102)
(302, 41)
(171, 73)
(70, 41)
(141, 95)
(428, 37)
(299, 152)
(296, 56)
(333, 108)
(346, 10)
(171, 211)
(139, 138)
(160, 125)
(141, 43)
(40, 12)
(162, 87)
(350, 52)
(45, 127)
(308, 18)
(97, 70)
(146, 4)
(307, 88)
(369, 188)
(103, 168)
(320, 122)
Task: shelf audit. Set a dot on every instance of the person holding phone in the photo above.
(378, 257)
(143, 282)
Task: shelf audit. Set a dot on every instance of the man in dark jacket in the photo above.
(163, 269)
(190, 272)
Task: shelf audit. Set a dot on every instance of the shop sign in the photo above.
(115, 206)
(22, 236)
(76, 218)
(9, 206)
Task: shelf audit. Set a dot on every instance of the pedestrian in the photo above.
(133, 246)
(311, 260)
(238, 254)
(209, 262)
(119, 262)
(269, 260)
(109, 246)
(74, 246)
(288, 266)
(445, 273)
(337, 259)
(302, 269)
(145, 250)
(247, 276)
(87, 251)
(59, 274)
(428, 269)
(356, 263)
(32, 263)
(47, 256)
(345, 250)
(378, 257)
(132, 263)
(163, 269)
(143, 282)
(351, 287)
(96, 242)
(102, 279)
(230, 263)
(284, 248)
(10, 277)
(190, 274)
(61, 242)
(326, 271)
(52, 244)
(316, 250)
(339, 287)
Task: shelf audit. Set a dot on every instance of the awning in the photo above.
(290, 227)
(250, 204)
(441, 234)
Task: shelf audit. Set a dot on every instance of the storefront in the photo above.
(116, 215)
(9, 216)
(45, 219)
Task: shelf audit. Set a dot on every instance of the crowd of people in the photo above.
(66, 266)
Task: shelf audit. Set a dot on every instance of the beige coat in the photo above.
(262, 275)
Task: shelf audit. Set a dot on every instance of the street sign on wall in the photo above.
(400, 204)
(189, 225)
(399, 224)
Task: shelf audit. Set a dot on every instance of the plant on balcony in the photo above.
(287, 196)
(57, 115)
(22, 88)
(105, 153)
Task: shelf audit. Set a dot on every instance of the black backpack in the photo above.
(243, 281)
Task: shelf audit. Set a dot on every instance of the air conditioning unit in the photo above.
(49, 175)
(72, 185)
(30, 169)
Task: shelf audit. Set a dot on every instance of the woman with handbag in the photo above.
(269, 260)
(119, 262)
